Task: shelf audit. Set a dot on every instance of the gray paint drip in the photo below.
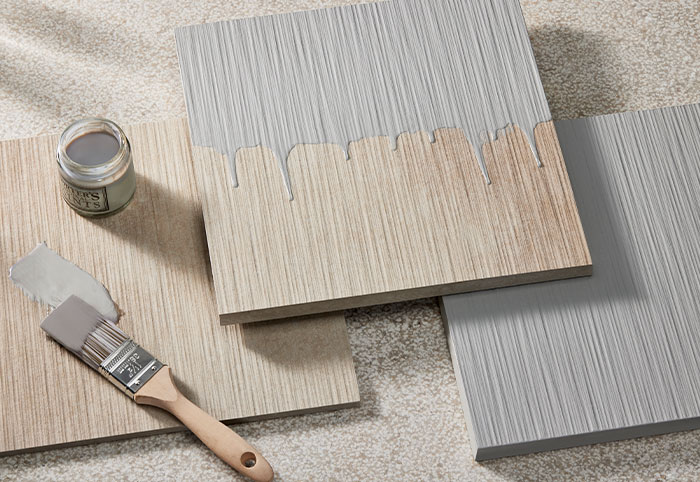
(46, 277)
(342, 74)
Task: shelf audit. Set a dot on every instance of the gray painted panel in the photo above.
(615, 355)
(341, 74)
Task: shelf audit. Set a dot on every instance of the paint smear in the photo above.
(46, 277)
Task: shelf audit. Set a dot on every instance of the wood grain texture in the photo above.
(154, 261)
(615, 355)
(276, 103)
(387, 225)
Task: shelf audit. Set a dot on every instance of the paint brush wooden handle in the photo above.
(160, 391)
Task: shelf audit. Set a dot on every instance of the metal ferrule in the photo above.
(129, 367)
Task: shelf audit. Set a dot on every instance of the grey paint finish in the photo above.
(46, 277)
(615, 355)
(337, 75)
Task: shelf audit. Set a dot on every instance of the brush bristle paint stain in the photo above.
(95, 166)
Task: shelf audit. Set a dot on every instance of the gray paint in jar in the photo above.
(96, 168)
(93, 148)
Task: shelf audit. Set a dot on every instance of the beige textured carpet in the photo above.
(60, 60)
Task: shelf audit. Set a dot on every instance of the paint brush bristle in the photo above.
(84, 331)
(101, 344)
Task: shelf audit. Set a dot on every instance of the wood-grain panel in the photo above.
(153, 259)
(308, 105)
(387, 225)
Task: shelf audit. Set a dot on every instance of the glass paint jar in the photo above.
(96, 171)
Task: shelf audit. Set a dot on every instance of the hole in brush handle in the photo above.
(249, 460)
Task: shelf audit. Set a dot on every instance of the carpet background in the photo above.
(61, 60)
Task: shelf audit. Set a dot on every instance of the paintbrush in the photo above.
(104, 347)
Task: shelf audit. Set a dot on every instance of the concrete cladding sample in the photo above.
(615, 355)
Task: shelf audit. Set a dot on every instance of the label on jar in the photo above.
(90, 200)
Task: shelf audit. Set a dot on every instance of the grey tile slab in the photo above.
(612, 356)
